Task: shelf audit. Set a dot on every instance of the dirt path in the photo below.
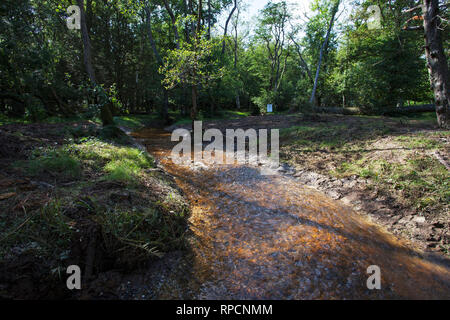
(267, 237)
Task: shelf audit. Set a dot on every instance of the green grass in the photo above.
(124, 170)
(119, 163)
(422, 180)
(46, 232)
(313, 137)
(116, 162)
(9, 120)
(54, 119)
(418, 141)
(56, 162)
(135, 122)
(422, 116)
(220, 115)
(143, 232)
(129, 231)
(236, 113)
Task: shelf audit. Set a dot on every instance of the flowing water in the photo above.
(269, 237)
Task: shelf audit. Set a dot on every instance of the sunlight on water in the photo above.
(268, 237)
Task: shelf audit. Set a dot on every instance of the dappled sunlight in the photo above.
(257, 236)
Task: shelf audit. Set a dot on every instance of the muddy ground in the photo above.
(33, 260)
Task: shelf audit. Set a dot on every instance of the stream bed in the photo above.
(254, 236)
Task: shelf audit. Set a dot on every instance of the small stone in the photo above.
(419, 219)
(333, 194)
(404, 220)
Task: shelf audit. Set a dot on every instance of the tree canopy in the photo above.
(152, 56)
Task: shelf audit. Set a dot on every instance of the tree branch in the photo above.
(415, 28)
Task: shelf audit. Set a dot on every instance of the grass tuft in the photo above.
(54, 162)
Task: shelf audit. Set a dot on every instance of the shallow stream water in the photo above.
(259, 236)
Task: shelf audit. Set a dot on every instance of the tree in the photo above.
(226, 25)
(235, 50)
(436, 61)
(272, 31)
(191, 65)
(334, 10)
(377, 69)
(105, 111)
(165, 107)
(48, 70)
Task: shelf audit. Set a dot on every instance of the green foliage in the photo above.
(55, 162)
(113, 133)
(135, 122)
(378, 69)
(144, 233)
(119, 163)
(192, 64)
(43, 74)
(422, 180)
(45, 233)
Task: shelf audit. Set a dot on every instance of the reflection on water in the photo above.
(267, 237)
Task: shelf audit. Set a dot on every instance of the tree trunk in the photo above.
(199, 19)
(322, 49)
(226, 26)
(436, 61)
(303, 62)
(105, 112)
(208, 34)
(238, 101)
(194, 104)
(165, 108)
(86, 44)
(194, 85)
(174, 24)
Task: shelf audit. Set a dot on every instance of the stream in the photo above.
(254, 236)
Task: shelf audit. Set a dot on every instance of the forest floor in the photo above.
(254, 236)
(76, 194)
(73, 193)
